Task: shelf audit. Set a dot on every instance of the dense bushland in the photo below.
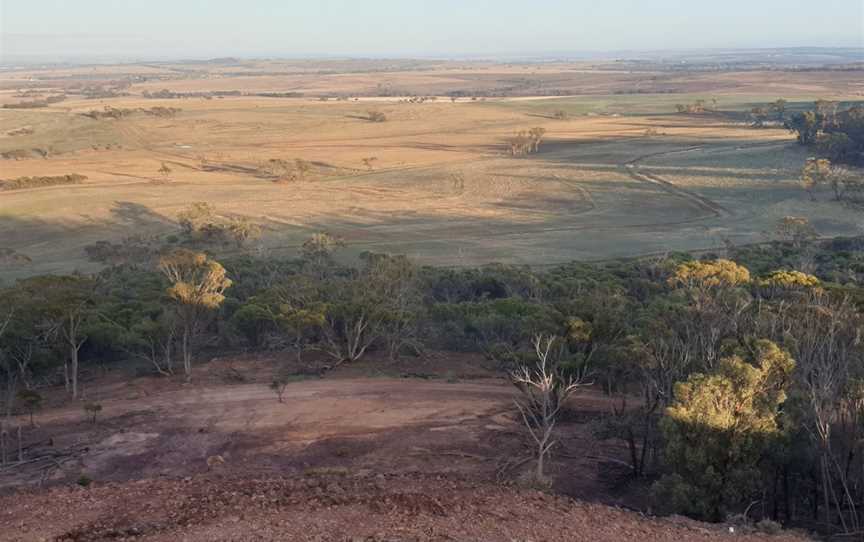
(740, 378)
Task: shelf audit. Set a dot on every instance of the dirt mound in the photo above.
(343, 506)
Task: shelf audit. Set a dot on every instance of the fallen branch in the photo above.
(600, 458)
(509, 466)
(426, 451)
(49, 456)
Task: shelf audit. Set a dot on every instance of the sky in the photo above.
(141, 29)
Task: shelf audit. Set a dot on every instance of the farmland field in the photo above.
(618, 175)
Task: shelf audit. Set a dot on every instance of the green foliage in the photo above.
(837, 135)
(805, 125)
(134, 317)
(20, 183)
(769, 527)
(253, 275)
(28, 338)
(758, 116)
(697, 107)
(196, 280)
(196, 217)
(795, 230)
(318, 251)
(789, 280)
(92, 410)
(198, 284)
(131, 251)
(31, 400)
(252, 320)
(392, 284)
(836, 147)
(815, 173)
(61, 308)
(502, 328)
(641, 325)
(709, 275)
(718, 429)
(278, 385)
(779, 108)
(199, 223)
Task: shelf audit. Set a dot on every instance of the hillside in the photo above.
(360, 507)
(429, 449)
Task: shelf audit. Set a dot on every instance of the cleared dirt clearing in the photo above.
(344, 458)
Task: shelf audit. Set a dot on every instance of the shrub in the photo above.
(790, 279)
(769, 527)
(36, 104)
(38, 182)
(92, 410)
(708, 275)
(717, 431)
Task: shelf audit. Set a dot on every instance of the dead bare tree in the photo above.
(350, 341)
(544, 390)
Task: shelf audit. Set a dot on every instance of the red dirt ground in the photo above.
(331, 507)
(346, 457)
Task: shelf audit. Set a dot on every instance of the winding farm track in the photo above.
(631, 167)
(704, 203)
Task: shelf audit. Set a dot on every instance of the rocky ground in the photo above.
(333, 506)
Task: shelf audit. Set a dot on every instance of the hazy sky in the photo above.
(188, 28)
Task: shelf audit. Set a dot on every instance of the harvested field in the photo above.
(440, 188)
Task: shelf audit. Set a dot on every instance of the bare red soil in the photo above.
(346, 457)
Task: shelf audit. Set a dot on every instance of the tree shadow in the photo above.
(128, 213)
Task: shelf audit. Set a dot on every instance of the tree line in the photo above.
(526, 141)
(836, 134)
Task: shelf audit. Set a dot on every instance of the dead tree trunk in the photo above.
(544, 391)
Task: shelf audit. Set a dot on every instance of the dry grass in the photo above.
(584, 196)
